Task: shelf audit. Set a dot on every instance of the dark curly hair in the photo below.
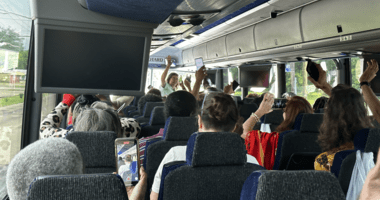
(321, 102)
(345, 114)
(180, 104)
(147, 98)
(154, 91)
(220, 113)
(82, 102)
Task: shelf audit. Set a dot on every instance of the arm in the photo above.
(187, 84)
(372, 183)
(182, 86)
(370, 97)
(163, 76)
(265, 108)
(140, 189)
(321, 83)
(199, 76)
(50, 125)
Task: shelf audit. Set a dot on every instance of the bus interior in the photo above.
(119, 47)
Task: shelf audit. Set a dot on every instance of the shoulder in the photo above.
(251, 159)
(176, 153)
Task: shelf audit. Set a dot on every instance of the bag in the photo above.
(265, 128)
(364, 163)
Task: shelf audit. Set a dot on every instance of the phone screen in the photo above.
(127, 160)
(199, 63)
(279, 103)
(312, 70)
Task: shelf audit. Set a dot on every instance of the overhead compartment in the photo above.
(217, 48)
(241, 41)
(281, 31)
(331, 18)
(200, 51)
(187, 56)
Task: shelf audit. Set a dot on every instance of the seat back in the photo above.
(304, 140)
(360, 139)
(373, 141)
(274, 118)
(177, 132)
(294, 185)
(149, 106)
(338, 159)
(217, 162)
(157, 116)
(97, 149)
(68, 187)
(247, 109)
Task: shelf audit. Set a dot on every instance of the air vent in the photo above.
(189, 37)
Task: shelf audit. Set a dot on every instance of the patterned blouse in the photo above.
(324, 161)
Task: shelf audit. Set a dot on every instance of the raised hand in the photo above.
(370, 72)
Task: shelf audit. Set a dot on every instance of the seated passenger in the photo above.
(345, 114)
(219, 114)
(263, 145)
(149, 97)
(252, 95)
(81, 122)
(288, 95)
(154, 91)
(320, 103)
(44, 157)
(372, 183)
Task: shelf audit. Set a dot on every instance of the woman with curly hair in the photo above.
(344, 115)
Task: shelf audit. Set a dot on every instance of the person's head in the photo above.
(120, 158)
(51, 156)
(320, 103)
(147, 98)
(180, 104)
(128, 158)
(82, 102)
(93, 119)
(252, 95)
(288, 95)
(219, 114)
(154, 91)
(103, 105)
(172, 79)
(295, 105)
(345, 114)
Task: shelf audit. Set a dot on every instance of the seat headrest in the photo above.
(97, 147)
(298, 122)
(298, 185)
(311, 122)
(149, 107)
(361, 138)
(180, 128)
(157, 116)
(274, 117)
(85, 186)
(373, 141)
(215, 148)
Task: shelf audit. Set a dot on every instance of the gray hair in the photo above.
(102, 105)
(93, 119)
(51, 156)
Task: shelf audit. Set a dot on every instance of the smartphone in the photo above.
(312, 70)
(199, 63)
(279, 103)
(235, 84)
(188, 78)
(128, 160)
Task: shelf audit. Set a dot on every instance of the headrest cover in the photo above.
(298, 122)
(311, 122)
(180, 128)
(215, 149)
(157, 116)
(360, 139)
(97, 147)
(298, 185)
(373, 141)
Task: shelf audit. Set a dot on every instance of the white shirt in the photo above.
(165, 91)
(178, 153)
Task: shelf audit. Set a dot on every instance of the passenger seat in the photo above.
(156, 122)
(148, 108)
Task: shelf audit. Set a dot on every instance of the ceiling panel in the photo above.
(203, 5)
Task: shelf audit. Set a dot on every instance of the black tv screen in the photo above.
(85, 60)
(255, 77)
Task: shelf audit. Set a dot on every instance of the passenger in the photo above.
(80, 101)
(372, 182)
(50, 125)
(288, 95)
(154, 91)
(263, 145)
(344, 115)
(252, 95)
(168, 85)
(320, 103)
(44, 157)
(131, 128)
(149, 97)
(220, 114)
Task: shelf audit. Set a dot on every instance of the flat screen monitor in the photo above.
(85, 61)
(257, 76)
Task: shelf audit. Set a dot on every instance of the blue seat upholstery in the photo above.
(69, 187)
(148, 108)
(156, 122)
(145, 11)
(214, 163)
(177, 132)
(294, 185)
(97, 149)
(338, 159)
(360, 139)
(169, 167)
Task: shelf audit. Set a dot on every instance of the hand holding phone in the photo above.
(235, 84)
(312, 70)
(127, 160)
(188, 78)
(199, 63)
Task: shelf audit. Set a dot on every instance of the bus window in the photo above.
(297, 82)
(356, 71)
(15, 27)
(48, 104)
